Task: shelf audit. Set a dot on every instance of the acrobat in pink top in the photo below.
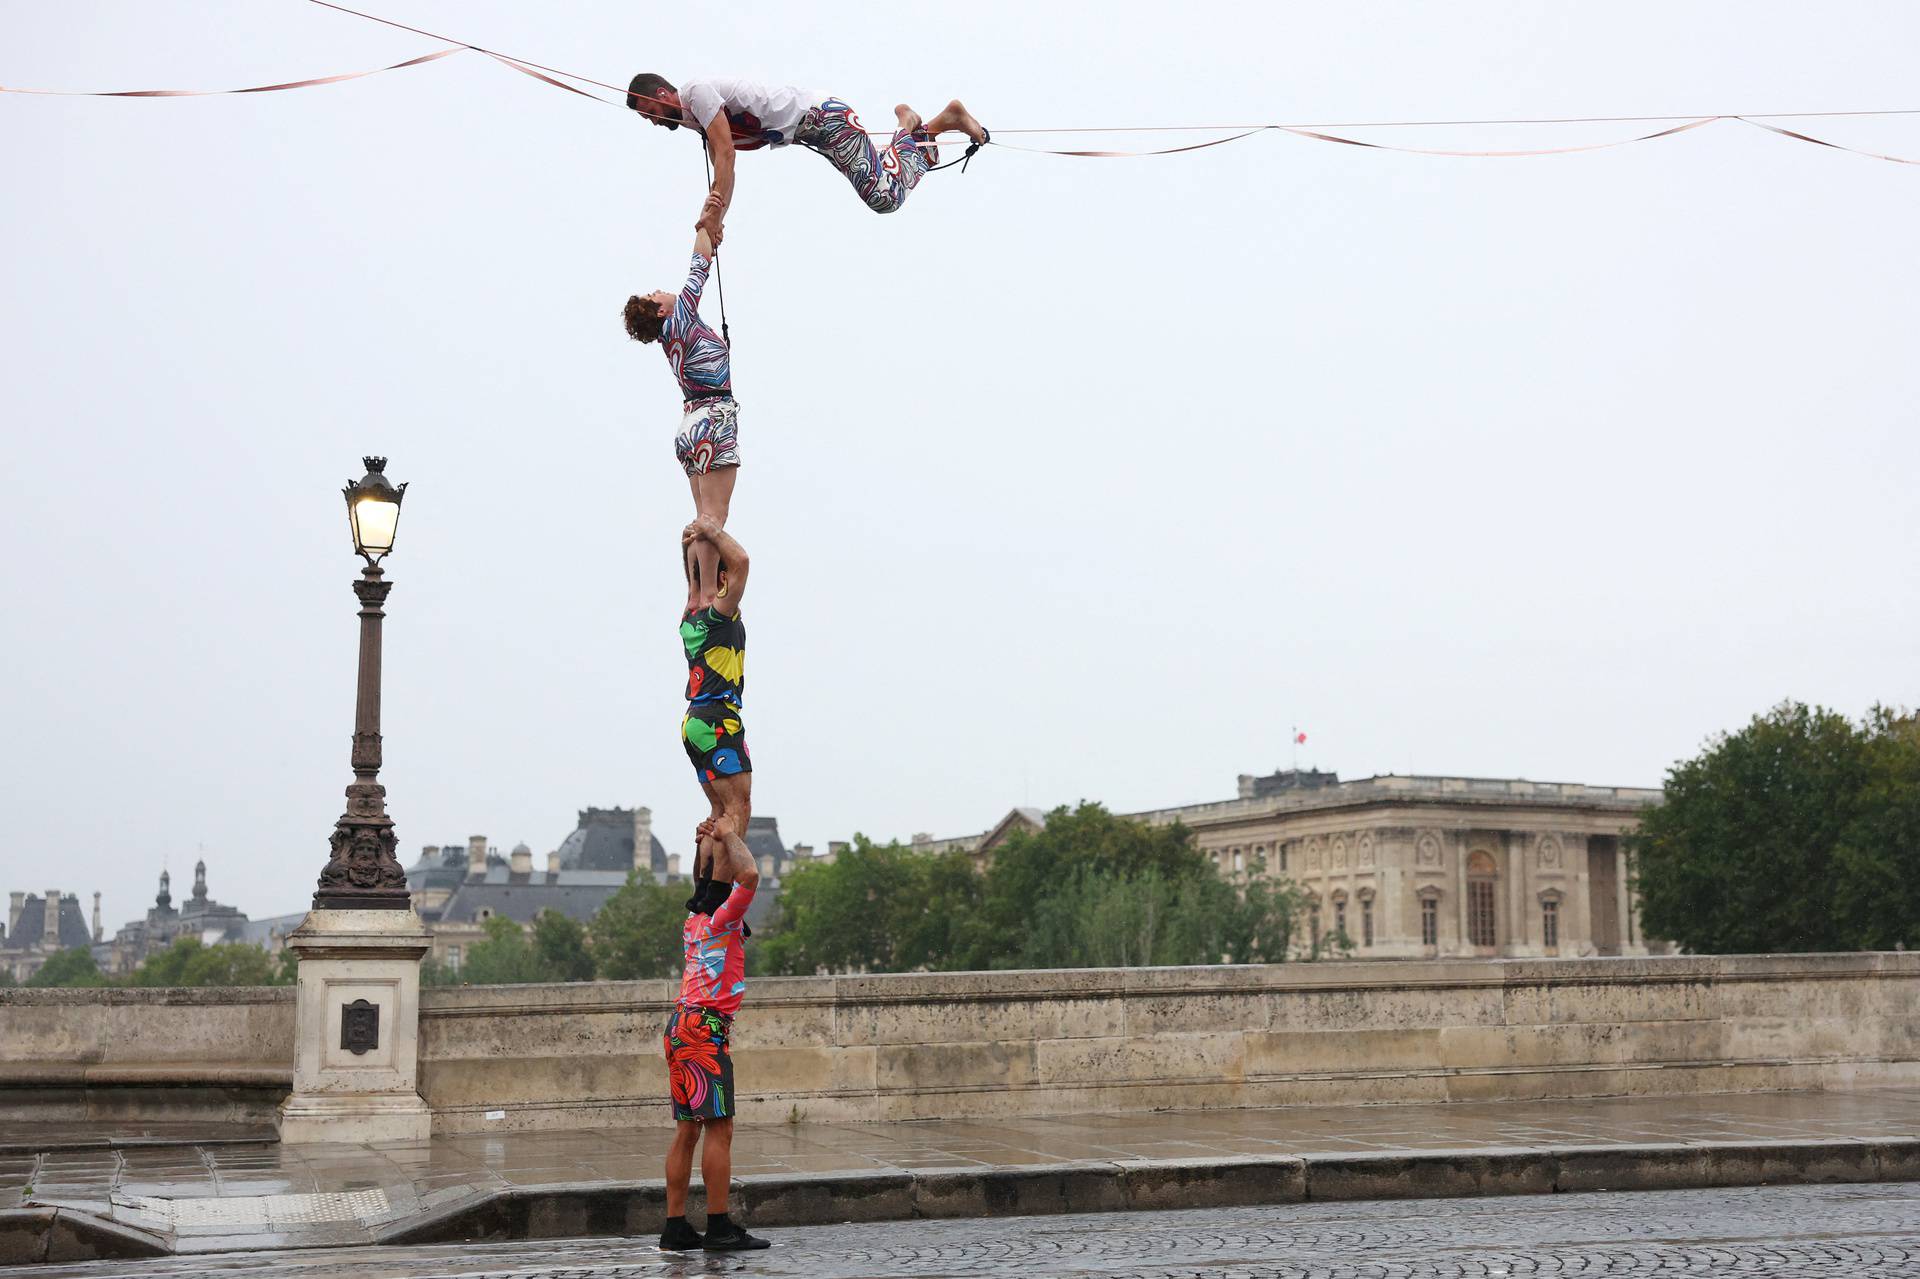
(716, 972)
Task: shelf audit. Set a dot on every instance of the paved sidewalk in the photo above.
(1781, 1232)
(149, 1200)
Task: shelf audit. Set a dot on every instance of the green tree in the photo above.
(1877, 860)
(505, 958)
(191, 962)
(71, 967)
(1090, 889)
(876, 908)
(1744, 854)
(636, 935)
(560, 947)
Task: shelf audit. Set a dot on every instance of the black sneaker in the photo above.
(680, 1237)
(731, 1238)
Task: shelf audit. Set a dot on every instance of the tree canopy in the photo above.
(1799, 832)
(1088, 889)
(636, 935)
(71, 967)
(191, 962)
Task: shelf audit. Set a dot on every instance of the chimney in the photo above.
(803, 852)
(553, 862)
(99, 934)
(430, 854)
(476, 857)
(521, 862)
(643, 840)
(921, 838)
(835, 847)
(673, 865)
(16, 902)
(1245, 783)
(52, 936)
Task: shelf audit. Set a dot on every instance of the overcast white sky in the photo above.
(1075, 479)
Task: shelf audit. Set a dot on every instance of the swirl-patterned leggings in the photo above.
(881, 176)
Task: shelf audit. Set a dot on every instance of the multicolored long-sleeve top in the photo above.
(698, 356)
(716, 973)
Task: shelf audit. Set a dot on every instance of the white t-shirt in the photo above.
(767, 111)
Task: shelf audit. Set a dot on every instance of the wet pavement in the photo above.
(216, 1198)
(1793, 1232)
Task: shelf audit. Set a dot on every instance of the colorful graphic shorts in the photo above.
(715, 740)
(882, 177)
(709, 437)
(699, 1065)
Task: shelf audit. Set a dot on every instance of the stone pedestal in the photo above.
(357, 1029)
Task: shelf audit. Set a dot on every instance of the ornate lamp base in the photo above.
(363, 873)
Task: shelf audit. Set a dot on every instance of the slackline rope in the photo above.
(719, 285)
(1235, 133)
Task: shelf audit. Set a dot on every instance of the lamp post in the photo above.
(356, 1044)
(362, 873)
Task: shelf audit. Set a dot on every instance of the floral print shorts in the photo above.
(699, 1067)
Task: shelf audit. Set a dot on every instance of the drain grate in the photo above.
(264, 1210)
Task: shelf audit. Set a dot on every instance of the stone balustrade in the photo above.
(1006, 1044)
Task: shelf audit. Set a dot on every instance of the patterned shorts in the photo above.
(709, 437)
(699, 1065)
(881, 176)
(716, 741)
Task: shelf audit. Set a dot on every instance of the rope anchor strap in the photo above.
(962, 161)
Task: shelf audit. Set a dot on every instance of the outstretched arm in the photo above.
(720, 197)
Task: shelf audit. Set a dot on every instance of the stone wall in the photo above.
(148, 1055)
(1001, 1045)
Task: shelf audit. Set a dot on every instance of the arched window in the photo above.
(1366, 918)
(1239, 860)
(1482, 928)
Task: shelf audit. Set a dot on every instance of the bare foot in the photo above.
(956, 116)
(909, 118)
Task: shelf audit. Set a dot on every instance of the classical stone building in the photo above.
(1422, 867)
(458, 890)
(199, 916)
(41, 926)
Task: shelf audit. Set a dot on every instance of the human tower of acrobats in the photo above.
(732, 115)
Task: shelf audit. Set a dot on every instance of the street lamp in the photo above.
(373, 510)
(362, 873)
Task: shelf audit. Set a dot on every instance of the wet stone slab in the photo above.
(221, 1197)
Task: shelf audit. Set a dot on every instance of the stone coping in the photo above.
(110, 996)
(1016, 985)
(1055, 983)
(606, 1182)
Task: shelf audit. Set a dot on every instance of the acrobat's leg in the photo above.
(686, 1135)
(712, 495)
(956, 117)
(882, 176)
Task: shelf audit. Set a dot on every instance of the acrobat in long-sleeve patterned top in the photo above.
(698, 356)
